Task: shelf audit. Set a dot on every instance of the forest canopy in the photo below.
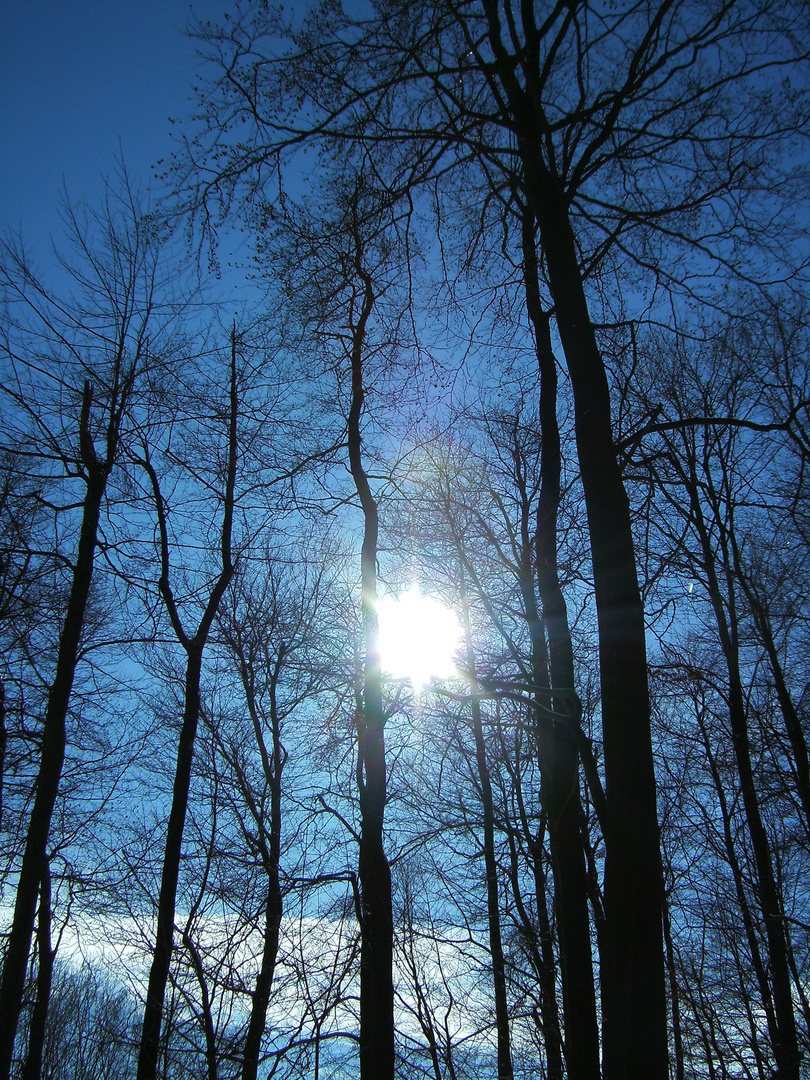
(527, 360)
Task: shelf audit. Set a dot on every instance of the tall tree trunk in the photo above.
(559, 757)
(634, 1016)
(264, 980)
(377, 924)
(634, 1012)
(674, 997)
(755, 954)
(53, 744)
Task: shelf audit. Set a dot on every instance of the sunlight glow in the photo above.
(419, 637)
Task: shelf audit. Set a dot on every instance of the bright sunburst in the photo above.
(419, 637)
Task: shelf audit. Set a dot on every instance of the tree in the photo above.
(193, 646)
(491, 368)
(270, 629)
(339, 261)
(707, 429)
(100, 342)
(581, 98)
(377, 923)
(90, 1026)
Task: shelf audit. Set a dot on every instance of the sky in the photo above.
(80, 82)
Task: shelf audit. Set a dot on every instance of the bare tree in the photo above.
(617, 119)
(719, 444)
(377, 920)
(62, 357)
(193, 646)
(271, 631)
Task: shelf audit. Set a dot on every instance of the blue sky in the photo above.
(78, 78)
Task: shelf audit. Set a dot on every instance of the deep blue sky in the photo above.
(76, 78)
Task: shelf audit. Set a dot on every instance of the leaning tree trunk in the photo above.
(205, 1005)
(793, 726)
(164, 938)
(756, 960)
(264, 980)
(53, 742)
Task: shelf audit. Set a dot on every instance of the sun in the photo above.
(418, 638)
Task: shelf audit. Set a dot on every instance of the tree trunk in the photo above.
(46, 956)
(634, 1014)
(762, 622)
(559, 758)
(504, 1053)
(53, 751)
(786, 1047)
(757, 964)
(674, 997)
(377, 925)
(164, 937)
(274, 906)
(540, 941)
(264, 980)
(634, 1017)
(207, 1018)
